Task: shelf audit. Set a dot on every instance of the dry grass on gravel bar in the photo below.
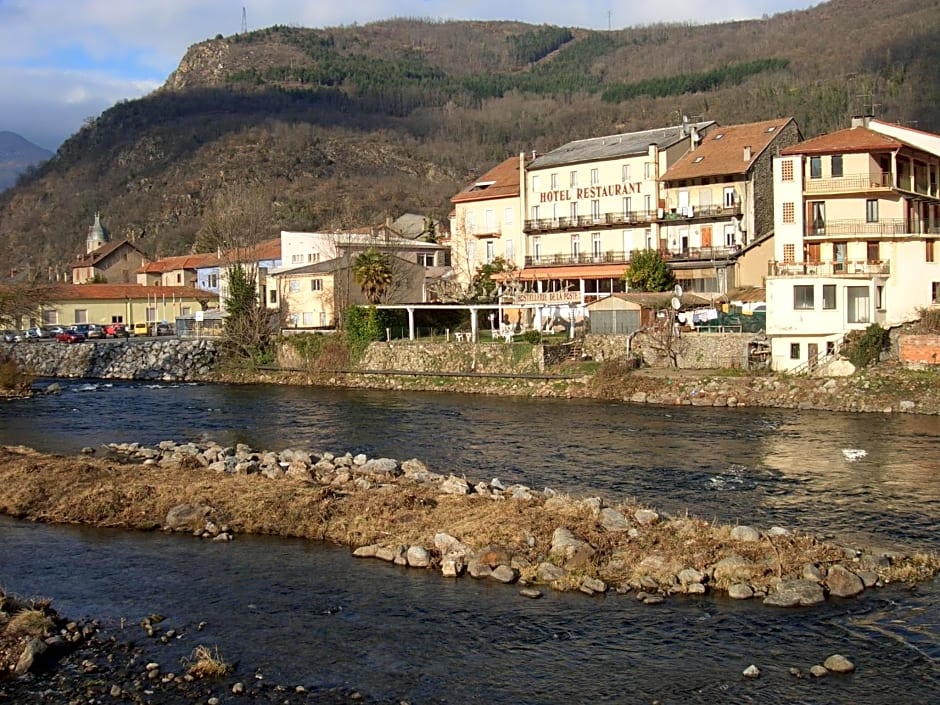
(108, 493)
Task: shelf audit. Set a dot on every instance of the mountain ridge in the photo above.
(348, 125)
(17, 154)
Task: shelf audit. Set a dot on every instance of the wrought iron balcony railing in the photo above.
(848, 268)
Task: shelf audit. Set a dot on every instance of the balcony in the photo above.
(620, 219)
(484, 232)
(850, 268)
(701, 212)
(608, 257)
(850, 183)
(848, 228)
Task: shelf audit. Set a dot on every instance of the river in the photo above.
(306, 613)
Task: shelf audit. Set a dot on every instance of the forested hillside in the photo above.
(345, 126)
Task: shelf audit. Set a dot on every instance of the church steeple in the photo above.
(96, 236)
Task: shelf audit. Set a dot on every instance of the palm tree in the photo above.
(373, 273)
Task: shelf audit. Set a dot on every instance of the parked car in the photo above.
(88, 330)
(165, 329)
(70, 336)
(12, 336)
(35, 333)
(140, 328)
(116, 330)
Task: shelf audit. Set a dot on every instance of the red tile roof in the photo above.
(851, 139)
(264, 250)
(502, 181)
(171, 264)
(114, 292)
(722, 150)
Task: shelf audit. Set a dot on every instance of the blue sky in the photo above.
(64, 61)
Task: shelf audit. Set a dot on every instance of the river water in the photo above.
(304, 613)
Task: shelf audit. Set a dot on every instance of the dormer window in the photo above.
(481, 185)
(697, 160)
(719, 136)
(771, 128)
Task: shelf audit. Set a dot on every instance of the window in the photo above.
(836, 166)
(296, 259)
(830, 347)
(730, 197)
(871, 211)
(627, 207)
(857, 303)
(596, 245)
(794, 351)
(880, 298)
(930, 250)
(535, 212)
(179, 277)
(50, 317)
(490, 218)
(829, 297)
(426, 259)
(815, 167)
(575, 246)
(316, 285)
(536, 182)
(648, 238)
(471, 255)
(803, 299)
(648, 170)
(490, 251)
(648, 204)
(625, 173)
(873, 251)
(789, 253)
(537, 248)
(574, 211)
(789, 212)
(596, 210)
(81, 315)
(313, 256)
(935, 292)
(185, 311)
(308, 319)
(554, 181)
(272, 296)
(509, 253)
(818, 217)
(294, 286)
(573, 179)
(507, 216)
(213, 281)
(786, 170)
(595, 177)
(839, 253)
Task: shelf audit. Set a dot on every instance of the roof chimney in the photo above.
(747, 152)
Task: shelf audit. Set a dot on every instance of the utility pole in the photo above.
(244, 20)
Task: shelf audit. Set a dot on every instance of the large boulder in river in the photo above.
(842, 582)
(186, 517)
(796, 593)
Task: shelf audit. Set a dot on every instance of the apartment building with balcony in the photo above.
(486, 221)
(718, 212)
(590, 203)
(857, 221)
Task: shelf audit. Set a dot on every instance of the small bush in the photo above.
(863, 348)
(31, 622)
(207, 663)
(12, 376)
(929, 323)
(532, 336)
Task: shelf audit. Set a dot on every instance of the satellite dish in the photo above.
(678, 290)
(676, 303)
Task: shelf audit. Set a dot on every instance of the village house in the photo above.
(105, 261)
(857, 220)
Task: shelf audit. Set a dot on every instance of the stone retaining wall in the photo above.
(697, 351)
(416, 356)
(170, 360)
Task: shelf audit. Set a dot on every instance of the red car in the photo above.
(115, 330)
(70, 336)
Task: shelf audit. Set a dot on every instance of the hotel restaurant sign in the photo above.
(549, 297)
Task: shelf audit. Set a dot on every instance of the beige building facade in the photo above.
(121, 303)
(857, 218)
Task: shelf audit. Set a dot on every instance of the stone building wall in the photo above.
(696, 351)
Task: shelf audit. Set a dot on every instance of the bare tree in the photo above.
(663, 337)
